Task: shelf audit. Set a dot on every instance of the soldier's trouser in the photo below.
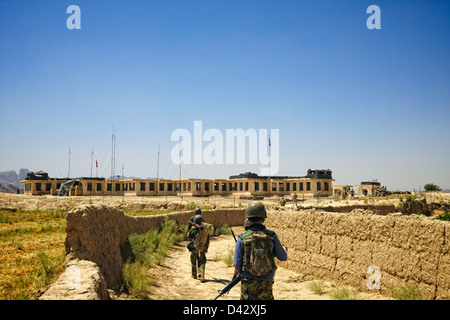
(254, 289)
(198, 260)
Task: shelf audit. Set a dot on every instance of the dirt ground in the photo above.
(173, 277)
(174, 282)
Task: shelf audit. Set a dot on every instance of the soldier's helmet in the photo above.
(198, 211)
(198, 219)
(256, 210)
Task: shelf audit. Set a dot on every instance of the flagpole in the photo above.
(270, 153)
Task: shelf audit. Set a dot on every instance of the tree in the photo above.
(432, 187)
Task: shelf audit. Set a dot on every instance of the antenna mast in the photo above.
(157, 171)
(68, 171)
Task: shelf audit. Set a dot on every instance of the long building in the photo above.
(315, 183)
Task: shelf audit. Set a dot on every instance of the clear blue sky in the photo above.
(367, 104)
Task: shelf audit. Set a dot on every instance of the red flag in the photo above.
(96, 164)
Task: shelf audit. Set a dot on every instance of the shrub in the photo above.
(191, 205)
(140, 251)
(318, 287)
(408, 292)
(432, 187)
(342, 293)
(444, 217)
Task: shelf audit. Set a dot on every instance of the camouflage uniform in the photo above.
(256, 284)
(198, 257)
(254, 289)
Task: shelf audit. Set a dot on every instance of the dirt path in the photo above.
(175, 282)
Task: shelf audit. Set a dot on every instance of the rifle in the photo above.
(232, 283)
(233, 234)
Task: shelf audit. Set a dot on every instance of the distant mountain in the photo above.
(10, 178)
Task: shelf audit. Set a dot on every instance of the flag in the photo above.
(269, 142)
(96, 164)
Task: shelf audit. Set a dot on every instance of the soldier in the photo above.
(198, 211)
(254, 256)
(199, 232)
(282, 202)
(294, 200)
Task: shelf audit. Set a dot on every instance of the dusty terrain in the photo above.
(174, 278)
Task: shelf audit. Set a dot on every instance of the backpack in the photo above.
(202, 236)
(258, 253)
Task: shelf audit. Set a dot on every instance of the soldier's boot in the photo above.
(202, 278)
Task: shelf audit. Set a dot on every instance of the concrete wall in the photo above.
(341, 247)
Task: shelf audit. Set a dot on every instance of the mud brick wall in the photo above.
(96, 232)
(341, 246)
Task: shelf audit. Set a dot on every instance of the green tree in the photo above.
(432, 187)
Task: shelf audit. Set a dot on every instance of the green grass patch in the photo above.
(408, 292)
(141, 251)
(32, 251)
(318, 287)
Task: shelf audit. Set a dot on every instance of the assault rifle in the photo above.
(232, 283)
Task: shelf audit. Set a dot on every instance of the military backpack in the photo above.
(258, 253)
(202, 236)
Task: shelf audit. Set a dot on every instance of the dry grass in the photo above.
(32, 252)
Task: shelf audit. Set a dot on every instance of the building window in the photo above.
(308, 186)
(274, 186)
(264, 186)
(169, 187)
(108, 187)
(152, 186)
(288, 186)
(256, 186)
(161, 187)
(224, 186)
(48, 186)
(99, 187)
(318, 186)
(142, 186)
(206, 186)
(216, 186)
(198, 186)
(294, 186)
(325, 186)
(38, 186)
(301, 186)
(117, 187)
(240, 186)
(89, 186)
(246, 186)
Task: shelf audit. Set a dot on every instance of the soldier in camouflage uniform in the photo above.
(254, 256)
(198, 254)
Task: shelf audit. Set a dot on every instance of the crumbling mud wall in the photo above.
(94, 236)
(367, 251)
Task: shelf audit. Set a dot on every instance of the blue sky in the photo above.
(367, 104)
